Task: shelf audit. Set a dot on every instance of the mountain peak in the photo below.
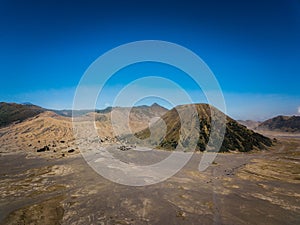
(237, 136)
(155, 105)
(158, 107)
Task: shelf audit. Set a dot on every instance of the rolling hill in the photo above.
(282, 124)
(45, 129)
(15, 113)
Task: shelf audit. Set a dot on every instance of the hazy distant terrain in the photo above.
(250, 124)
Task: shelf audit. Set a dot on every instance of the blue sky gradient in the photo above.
(252, 47)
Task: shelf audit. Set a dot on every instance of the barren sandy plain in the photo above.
(58, 187)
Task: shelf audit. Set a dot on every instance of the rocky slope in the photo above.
(237, 136)
(15, 113)
(46, 132)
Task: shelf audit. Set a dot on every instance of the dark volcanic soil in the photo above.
(243, 188)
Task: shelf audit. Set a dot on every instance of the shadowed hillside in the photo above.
(12, 112)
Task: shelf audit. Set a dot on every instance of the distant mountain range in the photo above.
(237, 137)
(15, 113)
(31, 128)
(282, 124)
(139, 117)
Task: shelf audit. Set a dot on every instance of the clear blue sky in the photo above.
(252, 47)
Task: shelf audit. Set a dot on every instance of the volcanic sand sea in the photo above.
(238, 188)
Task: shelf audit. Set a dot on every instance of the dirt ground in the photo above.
(238, 188)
